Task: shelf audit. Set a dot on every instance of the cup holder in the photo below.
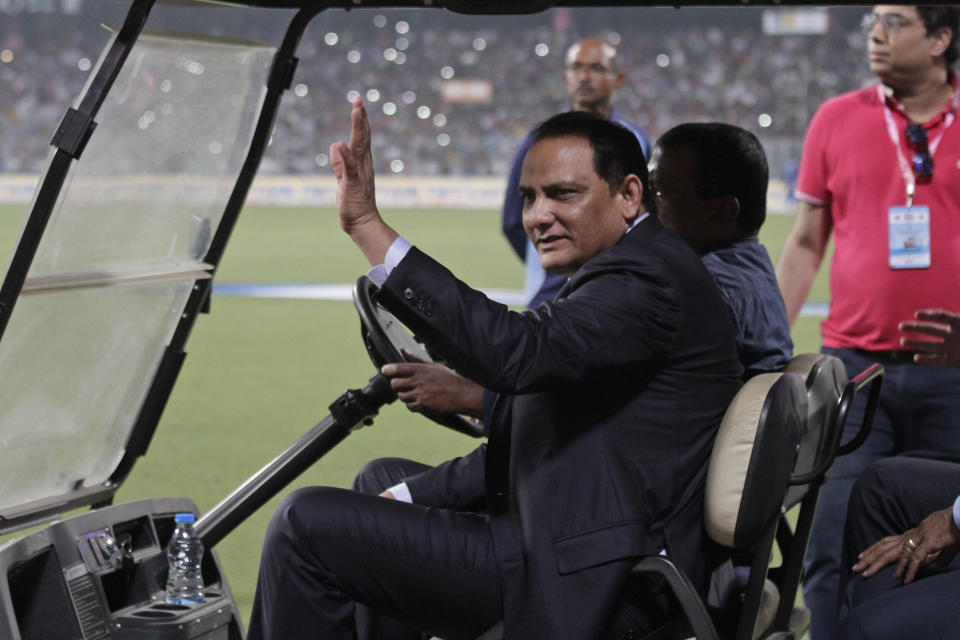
(169, 606)
(154, 614)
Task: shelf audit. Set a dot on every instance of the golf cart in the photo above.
(113, 267)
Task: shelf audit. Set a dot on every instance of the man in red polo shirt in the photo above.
(881, 172)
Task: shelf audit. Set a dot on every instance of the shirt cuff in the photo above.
(401, 492)
(956, 512)
(397, 251)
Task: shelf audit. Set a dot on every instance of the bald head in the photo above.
(593, 45)
(592, 77)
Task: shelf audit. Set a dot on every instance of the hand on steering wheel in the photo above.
(388, 342)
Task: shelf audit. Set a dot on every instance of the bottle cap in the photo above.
(188, 518)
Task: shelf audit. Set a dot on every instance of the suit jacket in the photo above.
(610, 400)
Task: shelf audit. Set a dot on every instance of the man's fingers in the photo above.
(902, 562)
(360, 128)
(341, 158)
(921, 344)
(411, 400)
(336, 159)
(918, 558)
(412, 358)
(875, 563)
(937, 315)
(927, 328)
(403, 384)
(399, 369)
(879, 555)
(932, 359)
(917, 552)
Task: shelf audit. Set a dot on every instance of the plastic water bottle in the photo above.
(184, 556)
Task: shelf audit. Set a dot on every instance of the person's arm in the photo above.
(618, 318)
(944, 327)
(455, 484)
(802, 255)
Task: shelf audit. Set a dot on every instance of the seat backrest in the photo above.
(752, 459)
(825, 379)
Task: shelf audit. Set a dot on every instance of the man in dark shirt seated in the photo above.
(709, 182)
(609, 403)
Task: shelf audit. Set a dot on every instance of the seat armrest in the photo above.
(872, 376)
(686, 595)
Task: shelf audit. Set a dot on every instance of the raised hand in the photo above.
(356, 199)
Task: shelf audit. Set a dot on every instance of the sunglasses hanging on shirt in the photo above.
(922, 160)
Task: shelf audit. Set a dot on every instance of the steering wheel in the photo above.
(386, 338)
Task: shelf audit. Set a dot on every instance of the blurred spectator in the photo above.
(688, 65)
(592, 77)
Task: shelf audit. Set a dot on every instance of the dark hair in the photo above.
(616, 150)
(939, 17)
(729, 162)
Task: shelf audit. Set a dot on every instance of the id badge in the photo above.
(910, 237)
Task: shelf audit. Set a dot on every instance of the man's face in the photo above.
(590, 76)
(568, 210)
(672, 180)
(898, 44)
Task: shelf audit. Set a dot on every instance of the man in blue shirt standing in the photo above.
(592, 78)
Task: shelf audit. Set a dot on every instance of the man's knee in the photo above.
(885, 480)
(378, 475)
(373, 477)
(296, 516)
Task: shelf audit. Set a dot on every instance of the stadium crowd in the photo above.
(685, 65)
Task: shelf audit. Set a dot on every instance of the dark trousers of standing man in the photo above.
(892, 496)
(918, 410)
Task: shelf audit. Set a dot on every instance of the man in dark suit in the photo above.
(610, 401)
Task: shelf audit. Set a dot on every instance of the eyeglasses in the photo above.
(890, 23)
(595, 68)
(922, 160)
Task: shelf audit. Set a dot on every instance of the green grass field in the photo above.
(261, 372)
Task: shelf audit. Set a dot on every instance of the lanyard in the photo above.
(906, 170)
